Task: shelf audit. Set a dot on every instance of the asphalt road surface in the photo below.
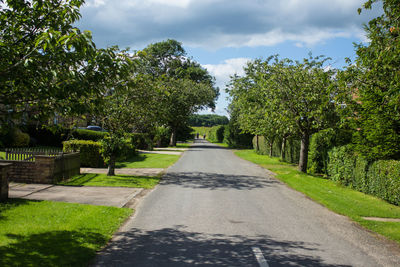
(215, 209)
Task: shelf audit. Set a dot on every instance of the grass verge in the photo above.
(2, 155)
(91, 179)
(149, 161)
(337, 198)
(44, 233)
(220, 144)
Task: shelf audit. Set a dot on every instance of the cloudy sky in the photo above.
(223, 35)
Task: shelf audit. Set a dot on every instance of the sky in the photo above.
(223, 35)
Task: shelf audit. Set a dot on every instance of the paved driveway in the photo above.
(104, 196)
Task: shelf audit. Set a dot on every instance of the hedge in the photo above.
(89, 152)
(380, 178)
(292, 148)
(216, 134)
(141, 141)
(82, 134)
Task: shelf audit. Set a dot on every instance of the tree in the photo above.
(186, 86)
(304, 93)
(43, 56)
(375, 82)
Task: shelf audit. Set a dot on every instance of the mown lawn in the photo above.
(2, 155)
(44, 233)
(337, 198)
(92, 179)
(149, 161)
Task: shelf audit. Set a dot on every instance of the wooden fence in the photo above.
(28, 154)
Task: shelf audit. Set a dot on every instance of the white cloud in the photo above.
(227, 68)
(214, 24)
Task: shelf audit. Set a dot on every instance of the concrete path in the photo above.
(160, 152)
(103, 196)
(214, 209)
(127, 171)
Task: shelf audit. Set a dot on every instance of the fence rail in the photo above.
(28, 154)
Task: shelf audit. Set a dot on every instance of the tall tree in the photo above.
(186, 85)
(375, 83)
(42, 55)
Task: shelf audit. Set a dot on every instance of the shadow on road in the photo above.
(213, 181)
(177, 247)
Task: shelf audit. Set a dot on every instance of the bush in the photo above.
(48, 136)
(162, 136)
(380, 178)
(121, 147)
(216, 134)
(18, 138)
(234, 137)
(82, 134)
(89, 152)
(141, 141)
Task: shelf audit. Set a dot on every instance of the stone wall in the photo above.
(45, 169)
(4, 169)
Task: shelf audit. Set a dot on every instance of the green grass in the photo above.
(220, 144)
(2, 155)
(337, 198)
(91, 179)
(183, 145)
(44, 233)
(149, 161)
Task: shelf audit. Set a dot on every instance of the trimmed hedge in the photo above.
(82, 134)
(89, 152)
(216, 134)
(380, 178)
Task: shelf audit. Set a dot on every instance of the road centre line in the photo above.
(260, 257)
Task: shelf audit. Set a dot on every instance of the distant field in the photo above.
(201, 130)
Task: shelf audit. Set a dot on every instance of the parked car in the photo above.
(95, 128)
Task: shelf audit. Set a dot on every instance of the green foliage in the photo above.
(207, 120)
(16, 138)
(235, 138)
(217, 134)
(119, 147)
(291, 152)
(141, 141)
(380, 178)
(82, 134)
(162, 136)
(89, 152)
(375, 81)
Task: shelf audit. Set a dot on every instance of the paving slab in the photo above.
(126, 171)
(103, 196)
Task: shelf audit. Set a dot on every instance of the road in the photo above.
(215, 209)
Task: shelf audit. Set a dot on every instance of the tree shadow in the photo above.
(214, 181)
(80, 180)
(56, 248)
(177, 247)
(208, 147)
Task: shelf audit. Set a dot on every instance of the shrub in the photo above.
(234, 137)
(161, 137)
(121, 147)
(380, 178)
(82, 134)
(141, 140)
(292, 148)
(48, 136)
(19, 139)
(216, 134)
(89, 152)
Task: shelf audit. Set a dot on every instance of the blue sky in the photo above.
(222, 35)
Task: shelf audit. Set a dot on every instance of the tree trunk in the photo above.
(257, 144)
(111, 166)
(172, 141)
(283, 149)
(270, 148)
(305, 142)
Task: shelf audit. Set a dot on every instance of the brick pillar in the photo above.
(4, 168)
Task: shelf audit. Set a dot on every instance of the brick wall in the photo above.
(4, 169)
(45, 169)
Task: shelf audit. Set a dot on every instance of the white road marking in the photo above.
(260, 257)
